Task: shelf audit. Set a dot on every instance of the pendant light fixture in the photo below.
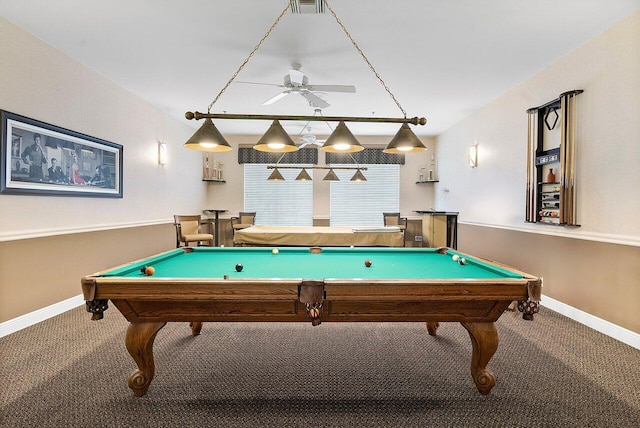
(358, 176)
(208, 138)
(275, 176)
(303, 176)
(331, 176)
(405, 141)
(276, 140)
(341, 140)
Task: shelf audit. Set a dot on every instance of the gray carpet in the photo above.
(552, 372)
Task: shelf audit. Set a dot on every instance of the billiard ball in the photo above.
(239, 267)
(455, 257)
(367, 263)
(462, 261)
(149, 270)
(275, 251)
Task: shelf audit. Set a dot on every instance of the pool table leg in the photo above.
(139, 342)
(484, 340)
(432, 327)
(196, 326)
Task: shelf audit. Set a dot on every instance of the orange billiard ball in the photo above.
(149, 270)
(367, 263)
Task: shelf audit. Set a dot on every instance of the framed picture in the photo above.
(42, 159)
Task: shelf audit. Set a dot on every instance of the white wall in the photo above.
(39, 82)
(607, 68)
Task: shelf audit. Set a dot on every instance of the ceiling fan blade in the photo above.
(278, 97)
(332, 88)
(314, 100)
(257, 83)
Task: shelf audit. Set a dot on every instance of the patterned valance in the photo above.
(304, 156)
(366, 156)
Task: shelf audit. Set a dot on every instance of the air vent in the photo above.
(307, 6)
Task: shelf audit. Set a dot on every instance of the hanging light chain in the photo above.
(246, 61)
(355, 45)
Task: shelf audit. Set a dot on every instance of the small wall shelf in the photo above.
(427, 181)
(551, 162)
(211, 180)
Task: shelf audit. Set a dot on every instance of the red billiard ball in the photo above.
(367, 263)
(239, 267)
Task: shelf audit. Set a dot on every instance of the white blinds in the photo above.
(362, 203)
(278, 203)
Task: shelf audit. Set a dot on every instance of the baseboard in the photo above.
(40, 315)
(605, 327)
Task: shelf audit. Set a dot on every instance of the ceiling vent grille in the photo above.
(307, 6)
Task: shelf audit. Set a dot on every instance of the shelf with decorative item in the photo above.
(211, 180)
(426, 181)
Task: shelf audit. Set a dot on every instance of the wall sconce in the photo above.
(162, 153)
(473, 156)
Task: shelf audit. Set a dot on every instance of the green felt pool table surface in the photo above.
(386, 263)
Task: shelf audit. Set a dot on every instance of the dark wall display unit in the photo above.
(551, 162)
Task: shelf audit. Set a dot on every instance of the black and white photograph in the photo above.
(43, 159)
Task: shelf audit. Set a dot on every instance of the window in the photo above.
(278, 203)
(362, 203)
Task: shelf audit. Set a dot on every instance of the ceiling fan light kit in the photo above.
(208, 138)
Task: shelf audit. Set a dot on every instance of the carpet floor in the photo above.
(69, 371)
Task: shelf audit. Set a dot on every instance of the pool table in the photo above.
(314, 285)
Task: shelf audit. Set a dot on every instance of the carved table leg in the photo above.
(484, 340)
(196, 326)
(432, 327)
(139, 341)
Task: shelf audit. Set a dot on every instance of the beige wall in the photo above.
(607, 68)
(47, 243)
(596, 277)
(39, 82)
(35, 273)
(593, 268)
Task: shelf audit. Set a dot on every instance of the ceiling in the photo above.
(441, 59)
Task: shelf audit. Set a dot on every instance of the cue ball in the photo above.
(367, 263)
(275, 251)
(455, 257)
(149, 270)
(462, 261)
(239, 267)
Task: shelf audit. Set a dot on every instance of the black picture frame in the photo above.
(84, 165)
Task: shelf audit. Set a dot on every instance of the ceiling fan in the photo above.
(295, 82)
(310, 139)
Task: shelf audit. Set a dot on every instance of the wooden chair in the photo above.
(394, 219)
(242, 221)
(188, 230)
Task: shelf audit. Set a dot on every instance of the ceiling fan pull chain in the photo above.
(355, 45)
(268, 33)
